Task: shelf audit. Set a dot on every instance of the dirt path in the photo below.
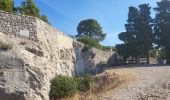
(142, 83)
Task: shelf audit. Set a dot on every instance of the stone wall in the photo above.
(96, 60)
(27, 69)
(18, 25)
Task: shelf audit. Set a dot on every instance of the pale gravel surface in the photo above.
(143, 83)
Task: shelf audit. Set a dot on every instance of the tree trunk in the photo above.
(147, 57)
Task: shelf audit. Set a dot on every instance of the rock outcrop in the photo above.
(32, 53)
(26, 69)
(97, 60)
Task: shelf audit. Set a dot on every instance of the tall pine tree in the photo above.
(138, 37)
(144, 35)
(162, 26)
(129, 48)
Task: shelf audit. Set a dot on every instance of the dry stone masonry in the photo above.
(39, 53)
(17, 25)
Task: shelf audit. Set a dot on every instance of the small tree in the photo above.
(90, 28)
(29, 8)
(44, 18)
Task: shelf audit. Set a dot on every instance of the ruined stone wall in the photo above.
(18, 25)
(27, 69)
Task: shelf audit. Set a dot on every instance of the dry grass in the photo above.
(103, 83)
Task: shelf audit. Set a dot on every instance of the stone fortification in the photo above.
(39, 52)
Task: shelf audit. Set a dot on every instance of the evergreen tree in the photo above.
(90, 28)
(130, 47)
(29, 8)
(144, 35)
(7, 5)
(162, 26)
(138, 37)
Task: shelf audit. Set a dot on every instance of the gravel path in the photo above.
(142, 83)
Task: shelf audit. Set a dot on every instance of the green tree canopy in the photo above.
(129, 48)
(90, 28)
(7, 5)
(145, 33)
(138, 37)
(162, 26)
(29, 8)
(44, 18)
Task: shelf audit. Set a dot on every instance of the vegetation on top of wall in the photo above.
(90, 42)
(7, 5)
(27, 7)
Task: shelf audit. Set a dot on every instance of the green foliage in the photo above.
(7, 5)
(162, 26)
(86, 48)
(62, 86)
(104, 48)
(93, 43)
(138, 37)
(29, 8)
(90, 28)
(90, 42)
(84, 83)
(44, 18)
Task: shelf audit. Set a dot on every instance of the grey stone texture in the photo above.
(12, 24)
(27, 69)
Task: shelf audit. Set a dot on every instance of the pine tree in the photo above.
(138, 37)
(144, 35)
(90, 28)
(162, 26)
(130, 47)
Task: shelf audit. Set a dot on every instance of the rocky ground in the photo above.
(141, 83)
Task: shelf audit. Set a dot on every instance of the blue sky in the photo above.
(111, 14)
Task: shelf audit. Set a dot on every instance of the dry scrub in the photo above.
(102, 83)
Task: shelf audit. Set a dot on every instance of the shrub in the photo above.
(62, 86)
(5, 46)
(83, 84)
(90, 42)
(86, 48)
